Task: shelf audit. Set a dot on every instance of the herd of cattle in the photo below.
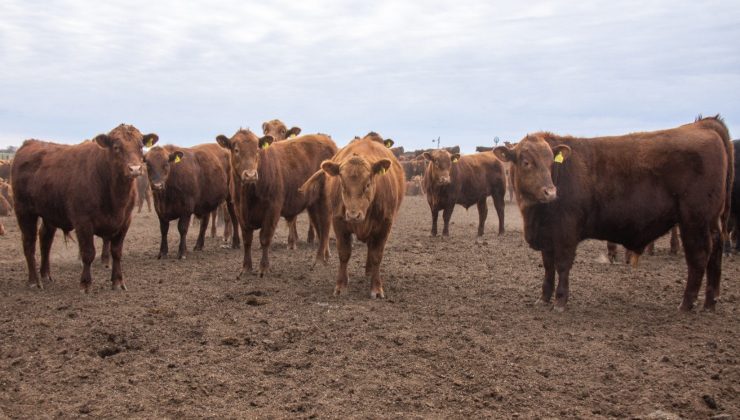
(627, 190)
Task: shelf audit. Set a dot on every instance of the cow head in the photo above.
(377, 137)
(440, 165)
(357, 178)
(124, 145)
(246, 151)
(531, 168)
(278, 131)
(159, 163)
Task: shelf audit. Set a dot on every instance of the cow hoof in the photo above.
(34, 285)
(709, 307)
(182, 257)
(559, 308)
(162, 256)
(85, 288)
(377, 295)
(46, 279)
(543, 303)
(340, 290)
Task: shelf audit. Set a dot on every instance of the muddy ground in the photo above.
(459, 334)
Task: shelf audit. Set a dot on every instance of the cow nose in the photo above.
(354, 216)
(135, 170)
(158, 186)
(249, 176)
(444, 180)
(549, 194)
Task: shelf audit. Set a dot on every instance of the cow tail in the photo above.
(724, 133)
(313, 186)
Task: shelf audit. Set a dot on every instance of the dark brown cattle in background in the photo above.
(414, 186)
(414, 167)
(629, 190)
(397, 151)
(185, 182)
(5, 210)
(6, 191)
(735, 199)
(89, 188)
(265, 177)
(452, 179)
(5, 169)
(633, 258)
(365, 187)
(417, 153)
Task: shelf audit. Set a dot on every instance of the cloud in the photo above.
(463, 70)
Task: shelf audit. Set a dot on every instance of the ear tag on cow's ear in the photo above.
(382, 171)
(455, 160)
(388, 144)
(291, 136)
(177, 159)
(149, 142)
(559, 157)
(265, 145)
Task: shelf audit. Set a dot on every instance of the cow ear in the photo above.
(294, 131)
(264, 127)
(223, 141)
(103, 140)
(561, 152)
(176, 157)
(427, 156)
(381, 167)
(150, 139)
(455, 157)
(505, 154)
(331, 168)
(388, 143)
(265, 142)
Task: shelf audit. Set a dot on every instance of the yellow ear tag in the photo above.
(382, 171)
(177, 159)
(265, 145)
(559, 157)
(291, 136)
(388, 144)
(149, 143)
(455, 160)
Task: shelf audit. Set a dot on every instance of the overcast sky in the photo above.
(462, 70)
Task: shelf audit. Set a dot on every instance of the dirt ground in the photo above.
(458, 336)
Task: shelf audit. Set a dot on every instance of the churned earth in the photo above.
(459, 334)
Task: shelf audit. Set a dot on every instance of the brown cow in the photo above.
(632, 258)
(414, 187)
(451, 179)
(413, 167)
(143, 192)
(629, 190)
(5, 166)
(365, 187)
(6, 202)
(187, 181)
(88, 188)
(265, 177)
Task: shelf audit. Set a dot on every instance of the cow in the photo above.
(629, 190)
(451, 179)
(414, 187)
(5, 166)
(143, 192)
(6, 202)
(185, 182)
(413, 167)
(89, 188)
(365, 187)
(735, 197)
(633, 258)
(265, 177)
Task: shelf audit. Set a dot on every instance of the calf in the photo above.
(187, 181)
(143, 192)
(265, 177)
(89, 188)
(450, 179)
(629, 190)
(364, 186)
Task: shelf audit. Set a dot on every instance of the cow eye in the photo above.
(526, 163)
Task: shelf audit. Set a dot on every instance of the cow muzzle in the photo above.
(249, 176)
(444, 180)
(354, 216)
(134, 171)
(158, 186)
(549, 194)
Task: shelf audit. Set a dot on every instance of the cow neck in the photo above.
(116, 187)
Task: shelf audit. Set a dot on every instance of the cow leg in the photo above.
(318, 214)
(86, 242)
(29, 227)
(310, 235)
(446, 216)
(266, 234)
(548, 283)
(675, 242)
(650, 249)
(435, 216)
(116, 250)
(200, 242)
(248, 236)
(164, 228)
(564, 257)
(214, 222)
(611, 251)
(482, 215)
(500, 205)
(140, 203)
(46, 238)
(105, 253)
(233, 226)
(375, 248)
(714, 271)
(148, 201)
(292, 232)
(697, 248)
(344, 249)
(182, 227)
